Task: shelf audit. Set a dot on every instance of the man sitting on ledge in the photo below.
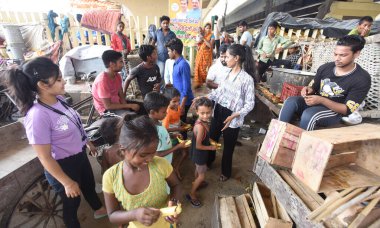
(339, 88)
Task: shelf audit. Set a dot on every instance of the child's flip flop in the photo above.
(194, 202)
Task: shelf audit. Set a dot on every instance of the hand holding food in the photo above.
(188, 142)
(171, 211)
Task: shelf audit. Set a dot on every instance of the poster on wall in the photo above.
(185, 18)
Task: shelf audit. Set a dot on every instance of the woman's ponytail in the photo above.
(246, 58)
(249, 64)
(20, 88)
(21, 82)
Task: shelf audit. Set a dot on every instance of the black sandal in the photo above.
(194, 202)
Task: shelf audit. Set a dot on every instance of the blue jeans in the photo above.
(311, 116)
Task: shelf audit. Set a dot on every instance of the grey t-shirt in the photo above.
(247, 36)
(146, 77)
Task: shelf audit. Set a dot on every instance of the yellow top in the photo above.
(155, 195)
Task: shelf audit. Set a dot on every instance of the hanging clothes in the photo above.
(65, 24)
(51, 23)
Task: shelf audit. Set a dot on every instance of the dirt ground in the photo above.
(241, 181)
(242, 178)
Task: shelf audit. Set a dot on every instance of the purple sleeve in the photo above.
(38, 127)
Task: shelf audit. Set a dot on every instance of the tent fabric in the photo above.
(332, 27)
(70, 63)
(101, 20)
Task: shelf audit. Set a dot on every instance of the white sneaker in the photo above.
(353, 119)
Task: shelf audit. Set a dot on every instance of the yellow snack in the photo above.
(213, 143)
(188, 142)
(169, 211)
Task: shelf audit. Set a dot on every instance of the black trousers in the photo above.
(184, 119)
(78, 168)
(262, 67)
(230, 136)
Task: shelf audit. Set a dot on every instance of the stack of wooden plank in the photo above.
(335, 173)
(233, 211)
(269, 211)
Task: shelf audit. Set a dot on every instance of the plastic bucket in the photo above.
(15, 42)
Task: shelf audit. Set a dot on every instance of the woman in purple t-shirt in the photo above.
(55, 132)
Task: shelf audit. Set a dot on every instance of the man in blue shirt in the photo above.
(163, 36)
(195, 12)
(181, 76)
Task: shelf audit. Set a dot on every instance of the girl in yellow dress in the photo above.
(135, 188)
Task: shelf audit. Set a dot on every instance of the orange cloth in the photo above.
(203, 61)
(172, 117)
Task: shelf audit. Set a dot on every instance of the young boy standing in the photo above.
(147, 73)
(181, 76)
(156, 105)
(172, 123)
(200, 147)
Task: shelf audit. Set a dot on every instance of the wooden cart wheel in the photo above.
(40, 206)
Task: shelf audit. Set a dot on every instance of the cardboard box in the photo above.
(269, 211)
(339, 158)
(280, 143)
(233, 211)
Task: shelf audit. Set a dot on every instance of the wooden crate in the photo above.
(339, 158)
(280, 143)
(269, 211)
(233, 211)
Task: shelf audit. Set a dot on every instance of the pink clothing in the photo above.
(117, 43)
(105, 87)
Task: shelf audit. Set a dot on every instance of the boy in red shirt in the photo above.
(107, 90)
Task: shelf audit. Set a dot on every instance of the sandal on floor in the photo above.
(204, 184)
(223, 178)
(194, 202)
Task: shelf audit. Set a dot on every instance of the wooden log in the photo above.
(361, 216)
(224, 218)
(250, 214)
(285, 195)
(376, 224)
(341, 159)
(373, 196)
(228, 213)
(275, 212)
(320, 209)
(337, 203)
(310, 198)
(242, 211)
(352, 202)
(260, 210)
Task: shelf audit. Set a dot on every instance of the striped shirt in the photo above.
(237, 94)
